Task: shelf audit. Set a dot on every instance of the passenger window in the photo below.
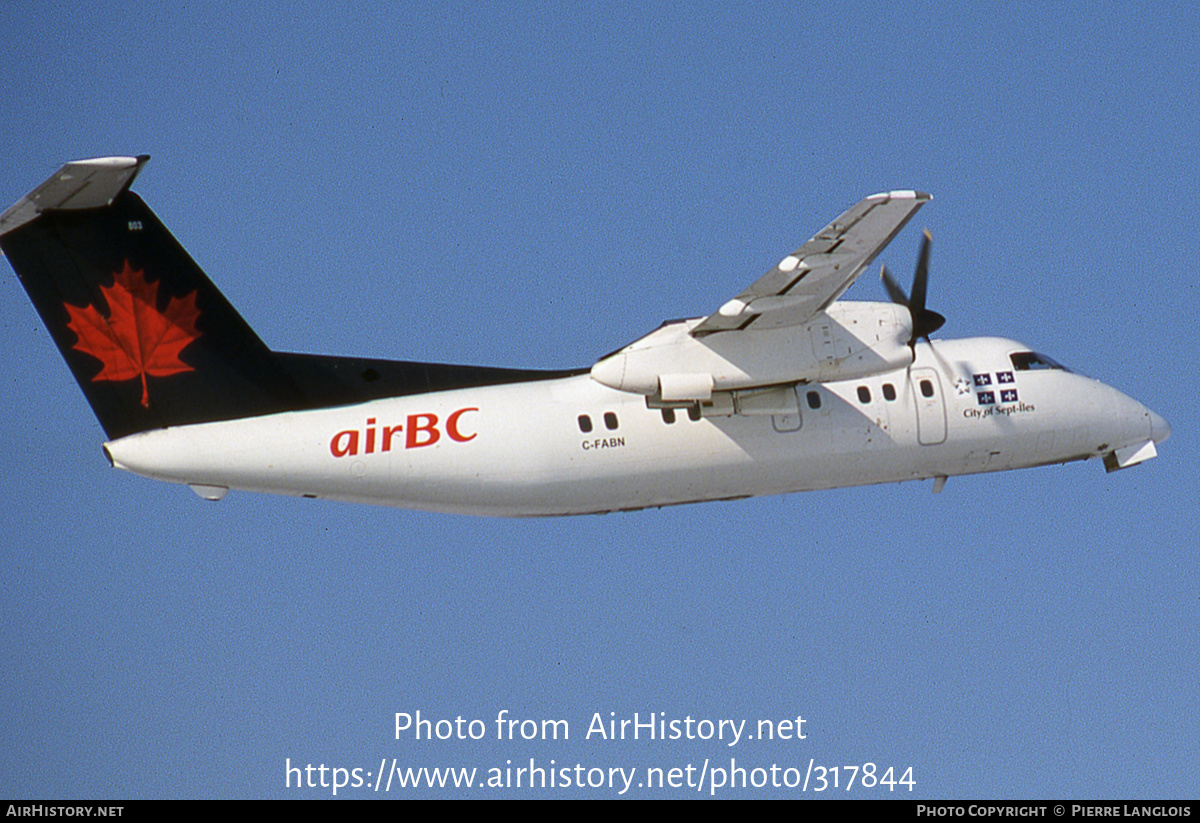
(889, 392)
(814, 400)
(668, 416)
(927, 388)
(610, 420)
(864, 394)
(585, 423)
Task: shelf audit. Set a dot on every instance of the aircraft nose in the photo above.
(1160, 429)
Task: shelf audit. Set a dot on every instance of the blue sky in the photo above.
(536, 185)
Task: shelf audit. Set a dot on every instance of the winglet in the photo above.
(80, 184)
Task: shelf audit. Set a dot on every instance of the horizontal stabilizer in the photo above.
(80, 184)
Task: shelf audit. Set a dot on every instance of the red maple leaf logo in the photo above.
(136, 339)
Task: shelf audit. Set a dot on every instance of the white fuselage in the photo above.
(520, 449)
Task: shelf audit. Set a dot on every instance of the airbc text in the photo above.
(417, 431)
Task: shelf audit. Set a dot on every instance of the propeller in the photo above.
(925, 322)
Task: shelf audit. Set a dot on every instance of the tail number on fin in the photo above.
(135, 339)
(418, 430)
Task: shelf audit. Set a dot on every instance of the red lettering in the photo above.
(415, 428)
(350, 447)
(388, 432)
(370, 435)
(452, 427)
(419, 430)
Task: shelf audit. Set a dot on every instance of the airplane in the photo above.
(784, 388)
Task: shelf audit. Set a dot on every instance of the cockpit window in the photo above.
(1032, 361)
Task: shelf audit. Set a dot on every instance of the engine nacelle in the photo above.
(846, 341)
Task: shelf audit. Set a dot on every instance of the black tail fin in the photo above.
(148, 337)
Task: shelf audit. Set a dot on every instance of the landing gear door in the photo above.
(931, 407)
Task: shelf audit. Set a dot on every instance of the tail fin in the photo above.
(149, 338)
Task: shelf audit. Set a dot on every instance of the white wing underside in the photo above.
(816, 274)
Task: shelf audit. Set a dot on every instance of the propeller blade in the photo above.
(924, 321)
(893, 288)
(921, 278)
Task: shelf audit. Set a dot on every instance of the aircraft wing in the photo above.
(816, 274)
